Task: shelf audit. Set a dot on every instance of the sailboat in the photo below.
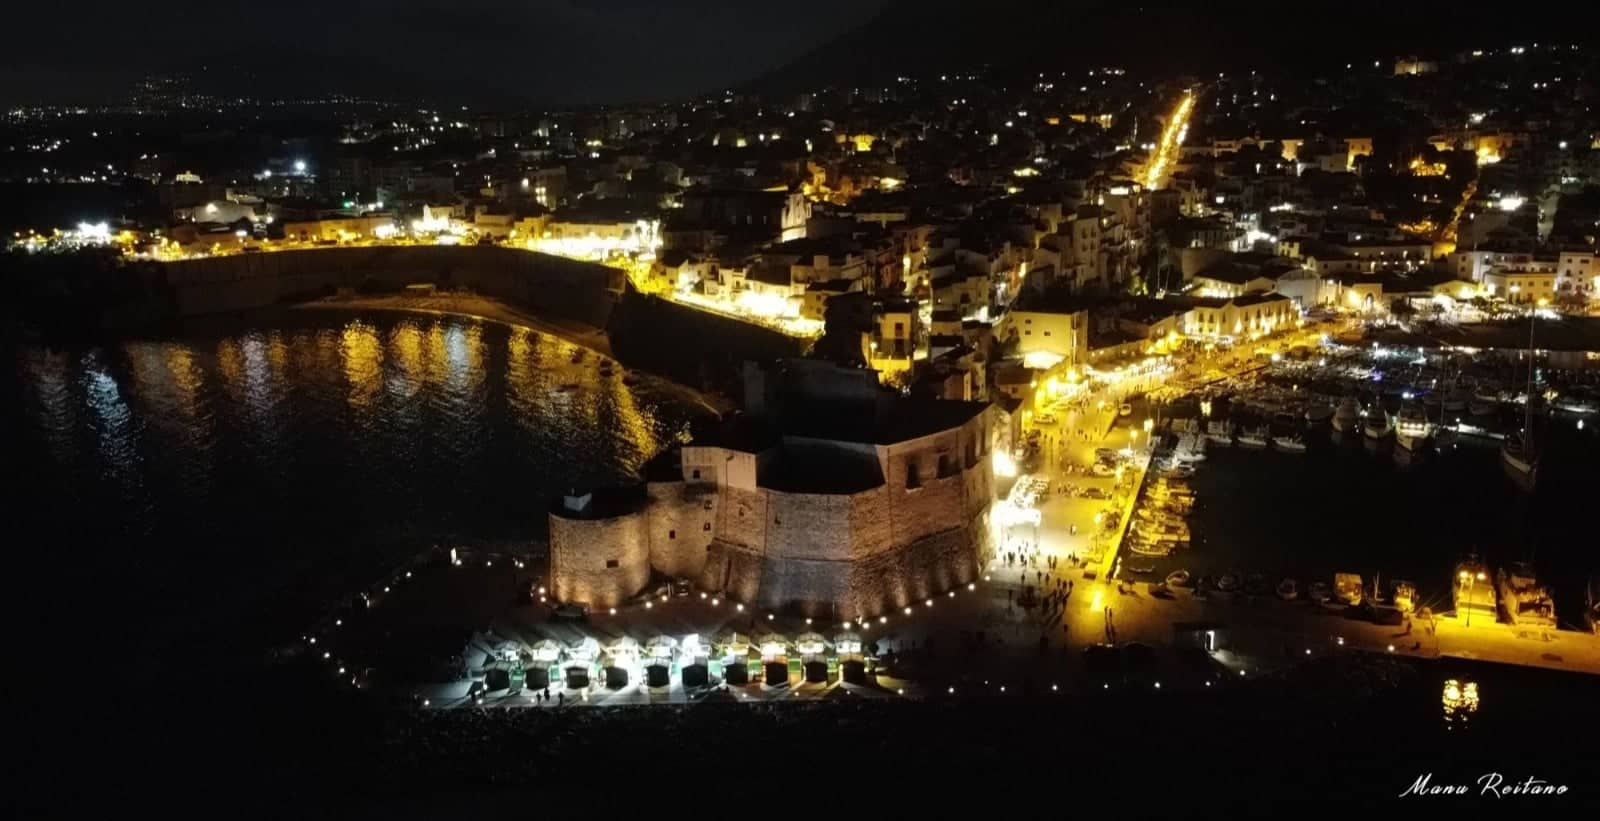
(1518, 455)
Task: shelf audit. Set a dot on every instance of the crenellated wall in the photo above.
(858, 554)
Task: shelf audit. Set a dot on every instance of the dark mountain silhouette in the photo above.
(919, 36)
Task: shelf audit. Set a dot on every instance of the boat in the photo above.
(1455, 401)
(1289, 444)
(1319, 413)
(1479, 406)
(1228, 582)
(1255, 438)
(1404, 596)
(1378, 425)
(1527, 602)
(1320, 592)
(1288, 590)
(1347, 588)
(1347, 414)
(1178, 578)
(1411, 426)
(1520, 461)
(1472, 593)
(1220, 432)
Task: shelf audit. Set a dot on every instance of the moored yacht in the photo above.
(1292, 443)
(1318, 413)
(1526, 602)
(1220, 431)
(1347, 415)
(1254, 438)
(1411, 426)
(1377, 425)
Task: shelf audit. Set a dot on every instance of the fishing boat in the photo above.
(1347, 588)
(1292, 443)
(1254, 439)
(1404, 596)
(1347, 414)
(1288, 590)
(1472, 593)
(1527, 602)
(1411, 426)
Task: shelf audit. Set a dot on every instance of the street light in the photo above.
(1471, 581)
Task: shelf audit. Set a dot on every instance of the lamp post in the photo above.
(1471, 580)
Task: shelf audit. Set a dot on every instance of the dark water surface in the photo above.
(1344, 507)
(204, 493)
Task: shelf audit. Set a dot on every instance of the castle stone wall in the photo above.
(683, 519)
(580, 550)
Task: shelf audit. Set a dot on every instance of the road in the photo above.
(1167, 148)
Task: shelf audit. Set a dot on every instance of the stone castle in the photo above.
(828, 495)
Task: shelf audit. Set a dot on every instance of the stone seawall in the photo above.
(569, 289)
(693, 347)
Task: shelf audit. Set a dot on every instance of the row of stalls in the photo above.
(732, 658)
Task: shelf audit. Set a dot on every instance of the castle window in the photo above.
(707, 527)
(672, 534)
(708, 504)
(777, 521)
(947, 465)
(696, 473)
(913, 479)
(611, 564)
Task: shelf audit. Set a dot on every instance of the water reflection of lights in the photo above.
(1460, 701)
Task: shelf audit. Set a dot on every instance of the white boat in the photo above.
(1518, 455)
(1520, 461)
(1411, 426)
(1254, 439)
(1220, 432)
(1347, 415)
(1526, 602)
(1289, 444)
(1377, 425)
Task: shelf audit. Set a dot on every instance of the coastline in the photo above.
(476, 306)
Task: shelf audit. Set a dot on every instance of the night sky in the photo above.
(540, 51)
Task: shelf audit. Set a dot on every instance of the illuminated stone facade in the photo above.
(849, 523)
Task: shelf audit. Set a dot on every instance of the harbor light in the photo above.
(971, 586)
(930, 602)
(908, 611)
(1391, 648)
(613, 611)
(648, 605)
(883, 619)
